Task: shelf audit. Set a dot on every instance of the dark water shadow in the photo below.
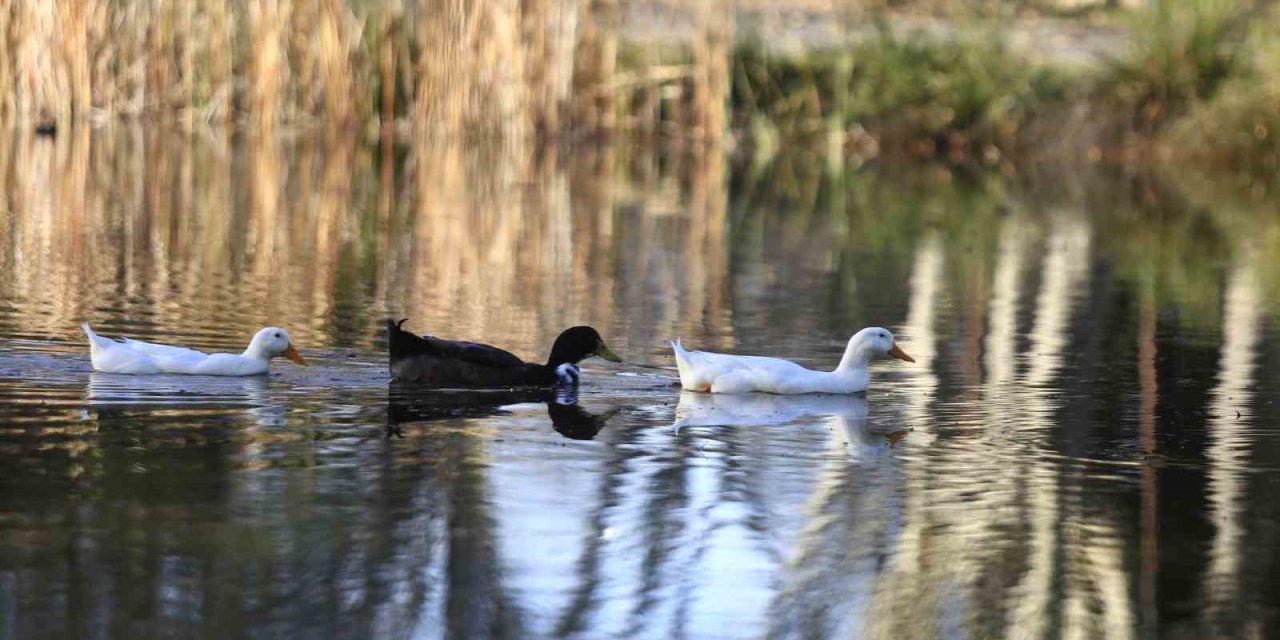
(409, 403)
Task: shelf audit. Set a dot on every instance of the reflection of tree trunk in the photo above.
(265, 178)
(912, 570)
(975, 318)
(706, 273)
(330, 222)
(850, 512)
(590, 561)
(1147, 425)
(1001, 343)
(667, 518)
(477, 606)
(917, 335)
(1231, 447)
(1064, 266)
(386, 215)
(590, 178)
(1000, 399)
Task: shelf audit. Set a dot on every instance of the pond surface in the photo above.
(1086, 445)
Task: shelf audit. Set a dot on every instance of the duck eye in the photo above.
(276, 334)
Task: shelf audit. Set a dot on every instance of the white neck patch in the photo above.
(568, 373)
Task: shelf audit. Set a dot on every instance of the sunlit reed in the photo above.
(513, 69)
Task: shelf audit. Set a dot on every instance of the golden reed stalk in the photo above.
(509, 69)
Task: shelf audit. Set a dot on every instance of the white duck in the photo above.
(146, 358)
(724, 373)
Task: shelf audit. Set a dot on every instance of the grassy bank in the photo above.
(1200, 77)
(925, 96)
(1239, 124)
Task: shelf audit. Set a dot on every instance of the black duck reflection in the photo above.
(846, 414)
(410, 403)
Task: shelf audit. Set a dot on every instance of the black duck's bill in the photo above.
(604, 352)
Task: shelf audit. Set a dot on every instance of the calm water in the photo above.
(1086, 445)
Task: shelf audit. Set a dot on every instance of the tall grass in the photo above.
(1240, 125)
(1180, 53)
(938, 92)
(507, 68)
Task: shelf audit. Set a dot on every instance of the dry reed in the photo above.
(513, 69)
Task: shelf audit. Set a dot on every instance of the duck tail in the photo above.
(95, 341)
(403, 344)
(682, 356)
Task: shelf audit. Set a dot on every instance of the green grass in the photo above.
(1180, 54)
(1239, 125)
(912, 86)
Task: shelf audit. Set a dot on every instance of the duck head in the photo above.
(579, 343)
(869, 343)
(271, 342)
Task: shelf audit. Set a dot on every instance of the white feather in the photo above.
(148, 358)
(725, 373)
(568, 373)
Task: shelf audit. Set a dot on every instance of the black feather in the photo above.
(460, 364)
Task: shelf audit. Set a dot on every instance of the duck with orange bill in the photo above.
(148, 358)
(724, 373)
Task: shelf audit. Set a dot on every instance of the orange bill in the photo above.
(293, 355)
(900, 354)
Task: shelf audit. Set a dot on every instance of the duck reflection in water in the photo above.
(408, 402)
(114, 395)
(846, 414)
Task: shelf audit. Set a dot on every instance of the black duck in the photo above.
(457, 364)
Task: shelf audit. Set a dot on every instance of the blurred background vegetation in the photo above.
(971, 81)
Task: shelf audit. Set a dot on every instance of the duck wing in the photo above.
(473, 352)
(456, 363)
(164, 351)
(708, 371)
(170, 359)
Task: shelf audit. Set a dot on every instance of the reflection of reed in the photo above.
(207, 244)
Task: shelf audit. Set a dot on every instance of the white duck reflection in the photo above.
(847, 415)
(123, 392)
